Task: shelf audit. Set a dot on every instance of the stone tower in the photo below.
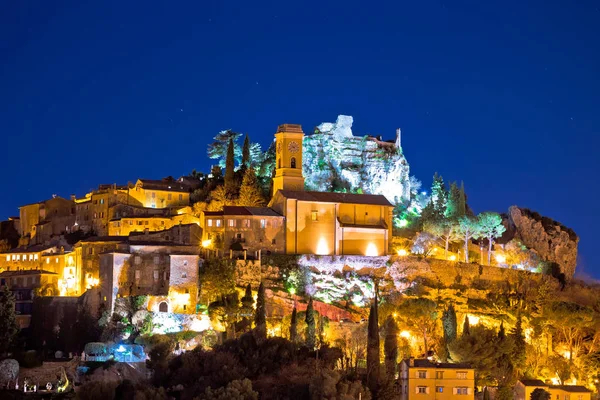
(288, 161)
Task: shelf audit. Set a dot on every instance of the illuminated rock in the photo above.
(336, 160)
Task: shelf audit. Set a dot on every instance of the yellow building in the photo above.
(40, 221)
(525, 387)
(151, 223)
(424, 379)
(164, 193)
(325, 223)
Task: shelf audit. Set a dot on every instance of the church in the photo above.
(324, 223)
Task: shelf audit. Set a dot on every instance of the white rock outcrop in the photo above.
(336, 160)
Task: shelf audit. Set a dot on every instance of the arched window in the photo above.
(163, 307)
(293, 162)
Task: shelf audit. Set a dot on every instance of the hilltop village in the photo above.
(324, 242)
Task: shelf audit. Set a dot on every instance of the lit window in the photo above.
(47, 260)
(439, 389)
(30, 257)
(57, 260)
(263, 223)
(156, 260)
(14, 257)
(137, 274)
(218, 223)
(18, 257)
(8, 257)
(232, 222)
(422, 389)
(462, 390)
(461, 375)
(246, 223)
(104, 298)
(422, 374)
(293, 162)
(138, 260)
(35, 257)
(209, 222)
(314, 215)
(101, 201)
(95, 215)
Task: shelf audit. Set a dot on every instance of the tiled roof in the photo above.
(104, 239)
(532, 382)
(381, 225)
(172, 186)
(26, 272)
(425, 363)
(32, 249)
(572, 388)
(328, 197)
(259, 211)
(213, 213)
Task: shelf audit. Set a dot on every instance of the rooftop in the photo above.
(26, 272)
(166, 185)
(290, 128)
(572, 388)
(259, 211)
(532, 382)
(425, 363)
(328, 197)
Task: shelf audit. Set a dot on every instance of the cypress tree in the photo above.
(246, 153)
(311, 332)
(462, 200)
(260, 319)
(501, 332)
(8, 320)
(248, 305)
(449, 324)
(293, 327)
(390, 347)
(466, 329)
(230, 186)
(518, 338)
(250, 193)
(373, 349)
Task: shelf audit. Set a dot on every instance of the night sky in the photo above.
(503, 96)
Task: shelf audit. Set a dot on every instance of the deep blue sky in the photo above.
(503, 95)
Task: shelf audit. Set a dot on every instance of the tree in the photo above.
(449, 324)
(501, 331)
(217, 278)
(293, 327)
(246, 153)
(486, 394)
(9, 328)
(230, 184)
(456, 206)
(260, 319)
(247, 309)
(311, 331)
(390, 346)
(373, 348)
(468, 228)
(490, 225)
(218, 149)
(519, 345)
(422, 314)
(250, 193)
(540, 394)
(439, 195)
(444, 229)
(466, 327)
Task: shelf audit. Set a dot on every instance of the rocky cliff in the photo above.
(552, 241)
(336, 160)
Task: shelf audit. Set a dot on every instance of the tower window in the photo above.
(314, 215)
(293, 162)
(279, 163)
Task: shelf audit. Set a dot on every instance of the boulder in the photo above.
(9, 370)
(552, 241)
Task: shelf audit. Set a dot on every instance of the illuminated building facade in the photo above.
(43, 220)
(244, 228)
(424, 379)
(525, 387)
(325, 223)
(164, 193)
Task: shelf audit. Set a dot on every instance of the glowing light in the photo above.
(452, 258)
(322, 248)
(292, 290)
(121, 349)
(395, 315)
(402, 252)
(500, 258)
(200, 324)
(372, 250)
(206, 243)
(567, 354)
(405, 334)
(402, 223)
(555, 381)
(473, 320)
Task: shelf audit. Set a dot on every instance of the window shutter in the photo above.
(417, 390)
(427, 390)
(454, 391)
(427, 376)
(469, 391)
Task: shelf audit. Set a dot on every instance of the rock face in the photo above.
(551, 240)
(336, 160)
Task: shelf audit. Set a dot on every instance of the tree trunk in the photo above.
(446, 249)
(490, 251)
(466, 248)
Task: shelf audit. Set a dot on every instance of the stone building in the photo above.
(165, 193)
(87, 257)
(320, 222)
(239, 228)
(43, 220)
(165, 272)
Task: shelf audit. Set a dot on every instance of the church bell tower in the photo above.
(288, 161)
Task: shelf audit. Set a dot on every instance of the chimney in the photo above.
(411, 362)
(72, 197)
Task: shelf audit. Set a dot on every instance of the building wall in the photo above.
(190, 234)
(254, 233)
(15, 261)
(153, 198)
(183, 283)
(126, 225)
(311, 227)
(87, 260)
(368, 242)
(410, 383)
(30, 215)
(110, 267)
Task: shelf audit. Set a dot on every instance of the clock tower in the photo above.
(288, 162)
